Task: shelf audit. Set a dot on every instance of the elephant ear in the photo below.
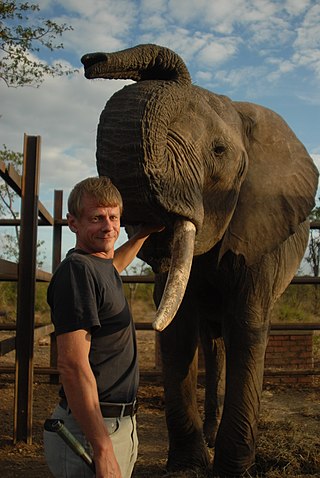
(279, 190)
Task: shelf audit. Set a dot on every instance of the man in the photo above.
(97, 356)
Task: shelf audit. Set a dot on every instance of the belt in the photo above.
(110, 410)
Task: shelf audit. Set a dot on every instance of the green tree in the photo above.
(140, 269)
(24, 35)
(313, 257)
(7, 195)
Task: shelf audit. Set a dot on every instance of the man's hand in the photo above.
(125, 254)
(147, 229)
(106, 463)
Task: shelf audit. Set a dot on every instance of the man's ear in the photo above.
(72, 223)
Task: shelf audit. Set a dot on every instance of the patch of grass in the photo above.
(316, 346)
(8, 303)
(284, 450)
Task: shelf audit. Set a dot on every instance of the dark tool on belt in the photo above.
(56, 425)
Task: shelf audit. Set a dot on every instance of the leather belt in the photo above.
(110, 410)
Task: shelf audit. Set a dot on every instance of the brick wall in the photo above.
(289, 351)
(289, 355)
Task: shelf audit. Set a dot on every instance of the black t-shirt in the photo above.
(86, 292)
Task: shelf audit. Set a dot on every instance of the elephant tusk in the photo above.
(178, 276)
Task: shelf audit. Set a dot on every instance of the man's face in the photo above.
(97, 229)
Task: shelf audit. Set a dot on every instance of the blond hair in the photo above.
(99, 188)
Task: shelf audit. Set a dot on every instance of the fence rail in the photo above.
(9, 344)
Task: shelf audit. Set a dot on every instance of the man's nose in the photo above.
(107, 224)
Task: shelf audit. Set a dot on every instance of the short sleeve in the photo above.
(72, 296)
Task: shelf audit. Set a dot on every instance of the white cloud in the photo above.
(153, 6)
(309, 31)
(316, 159)
(266, 51)
(219, 51)
(273, 34)
(94, 8)
(295, 7)
(65, 113)
(155, 23)
(307, 43)
(105, 25)
(187, 44)
(185, 11)
(281, 66)
(244, 76)
(222, 17)
(204, 76)
(258, 45)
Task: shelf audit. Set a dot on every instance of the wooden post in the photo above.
(56, 259)
(26, 291)
(57, 229)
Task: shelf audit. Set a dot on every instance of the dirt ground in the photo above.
(296, 413)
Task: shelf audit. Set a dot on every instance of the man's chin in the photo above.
(105, 246)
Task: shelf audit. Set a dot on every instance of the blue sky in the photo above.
(262, 51)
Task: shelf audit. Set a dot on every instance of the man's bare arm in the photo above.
(124, 255)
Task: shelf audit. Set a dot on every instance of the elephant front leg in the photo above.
(236, 438)
(187, 449)
(214, 355)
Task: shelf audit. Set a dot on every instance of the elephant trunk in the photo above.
(136, 149)
(134, 142)
(178, 276)
(142, 62)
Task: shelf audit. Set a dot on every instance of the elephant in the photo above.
(234, 187)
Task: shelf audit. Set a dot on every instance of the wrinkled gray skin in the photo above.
(180, 154)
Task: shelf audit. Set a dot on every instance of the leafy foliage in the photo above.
(313, 257)
(8, 302)
(299, 303)
(7, 195)
(8, 199)
(22, 40)
(139, 292)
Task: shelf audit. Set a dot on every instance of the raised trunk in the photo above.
(135, 146)
(137, 150)
(142, 62)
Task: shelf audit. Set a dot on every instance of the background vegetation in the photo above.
(299, 303)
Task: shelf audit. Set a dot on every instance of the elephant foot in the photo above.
(188, 459)
(233, 469)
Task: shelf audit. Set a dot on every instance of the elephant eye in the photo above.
(219, 150)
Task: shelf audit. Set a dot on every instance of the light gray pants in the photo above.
(64, 463)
